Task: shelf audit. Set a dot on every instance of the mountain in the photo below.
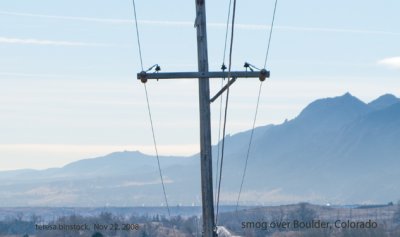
(384, 101)
(337, 150)
(101, 181)
(332, 113)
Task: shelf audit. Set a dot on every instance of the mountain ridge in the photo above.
(324, 154)
(384, 101)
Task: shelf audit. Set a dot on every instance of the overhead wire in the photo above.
(227, 30)
(270, 33)
(156, 150)
(249, 147)
(256, 112)
(223, 67)
(137, 34)
(150, 115)
(226, 108)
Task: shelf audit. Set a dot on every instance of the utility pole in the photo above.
(203, 75)
(205, 123)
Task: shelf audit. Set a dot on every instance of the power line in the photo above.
(223, 67)
(150, 116)
(137, 34)
(226, 30)
(156, 150)
(248, 148)
(256, 112)
(226, 108)
(270, 34)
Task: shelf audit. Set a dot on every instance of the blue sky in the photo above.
(68, 87)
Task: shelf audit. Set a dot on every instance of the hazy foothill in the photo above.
(337, 150)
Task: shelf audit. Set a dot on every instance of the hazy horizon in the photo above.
(94, 151)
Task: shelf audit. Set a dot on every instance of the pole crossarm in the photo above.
(223, 89)
(144, 76)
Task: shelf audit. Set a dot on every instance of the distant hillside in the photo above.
(337, 150)
(384, 101)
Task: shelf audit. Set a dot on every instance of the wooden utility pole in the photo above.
(205, 123)
(209, 228)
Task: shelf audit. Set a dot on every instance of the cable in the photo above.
(218, 146)
(248, 149)
(255, 114)
(226, 109)
(150, 116)
(156, 150)
(227, 29)
(137, 34)
(223, 67)
(270, 34)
